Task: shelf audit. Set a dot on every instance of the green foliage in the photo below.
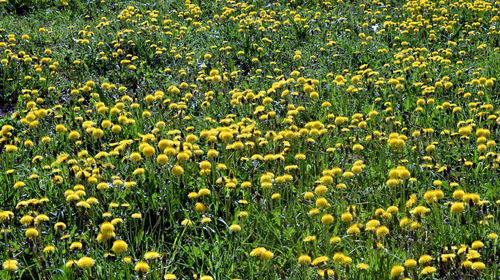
(362, 110)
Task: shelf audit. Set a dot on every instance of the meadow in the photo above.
(247, 139)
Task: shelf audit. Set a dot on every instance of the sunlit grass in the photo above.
(249, 140)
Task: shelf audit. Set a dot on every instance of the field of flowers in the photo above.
(300, 139)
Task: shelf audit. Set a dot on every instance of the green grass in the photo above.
(341, 74)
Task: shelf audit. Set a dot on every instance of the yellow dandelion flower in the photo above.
(119, 246)
(319, 260)
(478, 266)
(382, 231)
(362, 266)
(85, 262)
(396, 271)
(235, 228)
(31, 233)
(10, 265)
(152, 255)
(428, 270)
(410, 263)
(304, 259)
(425, 259)
(142, 267)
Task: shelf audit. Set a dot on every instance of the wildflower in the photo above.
(304, 259)
(10, 265)
(346, 217)
(362, 266)
(10, 148)
(322, 203)
(467, 264)
(193, 195)
(83, 204)
(107, 227)
(267, 255)
(457, 207)
(321, 190)
(262, 253)
(381, 231)
(257, 251)
(314, 212)
(119, 246)
(325, 272)
(319, 260)
(177, 170)
(420, 211)
(338, 257)
(70, 263)
(357, 147)
(148, 151)
(142, 267)
(410, 263)
(411, 201)
(308, 195)
(235, 228)
(346, 260)
(76, 245)
(212, 153)
(425, 259)
(31, 233)
(26, 220)
(327, 219)
(200, 207)
(49, 249)
(335, 240)
(392, 182)
(204, 165)
(478, 266)
(477, 244)
(447, 257)
(396, 271)
(19, 185)
(428, 270)
(152, 255)
(204, 192)
(353, 230)
(135, 156)
(162, 159)
(136, 216)
(309, 238)
(85, 262)
(433, 196)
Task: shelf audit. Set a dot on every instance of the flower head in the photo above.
(10, 265)
(85, 262)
